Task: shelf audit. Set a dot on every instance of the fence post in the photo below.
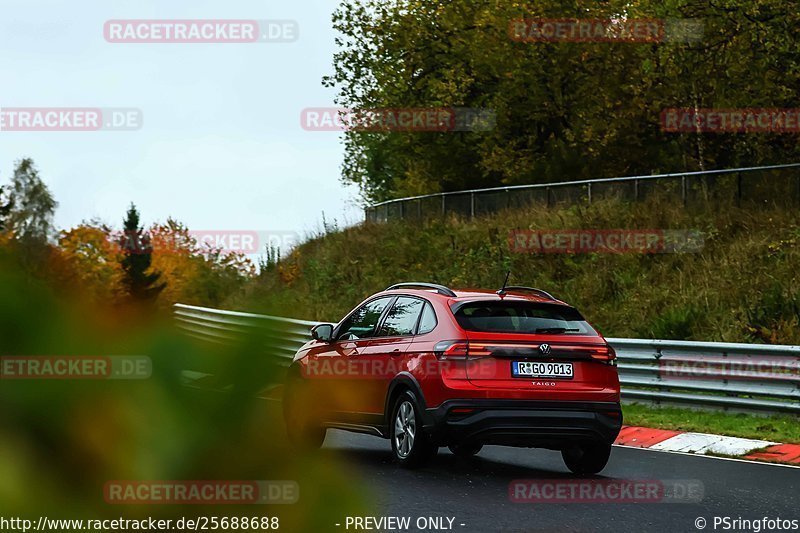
(738, 189)
(472, 205)
(798, 201)
(589, 192)
(683, 190)
(548, 196)
(636, 190)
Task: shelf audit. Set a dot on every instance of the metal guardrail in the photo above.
(733, 184)
(282, 336)
(757, 377)
(752, 377)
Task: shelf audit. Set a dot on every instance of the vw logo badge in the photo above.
(545, 349)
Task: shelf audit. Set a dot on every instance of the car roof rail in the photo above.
(517, 288)
(441, 289)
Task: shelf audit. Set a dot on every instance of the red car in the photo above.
(425, 366)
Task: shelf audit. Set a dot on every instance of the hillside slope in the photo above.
(741, 286)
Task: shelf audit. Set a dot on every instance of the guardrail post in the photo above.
(636, 190)
(549, 203)
(402, 210)
(419, 208)
(443, 211)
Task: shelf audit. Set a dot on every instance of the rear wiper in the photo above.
(555, 331)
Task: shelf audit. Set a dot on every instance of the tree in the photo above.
(90, 260)
(140, 281)
(201, 275)
(5, 211)
(31, 205)
(564, 110)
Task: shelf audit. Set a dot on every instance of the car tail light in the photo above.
(451, 350)
(605, 353)
(460, 350)
(479, 350)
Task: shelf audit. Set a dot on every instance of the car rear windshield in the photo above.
(522, 317)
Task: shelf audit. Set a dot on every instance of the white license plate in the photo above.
(541, 370)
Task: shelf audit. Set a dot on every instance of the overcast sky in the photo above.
(221, 147)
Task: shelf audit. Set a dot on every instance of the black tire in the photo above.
(411, 446)
(302, 426)
(586, 458)
(465, 451)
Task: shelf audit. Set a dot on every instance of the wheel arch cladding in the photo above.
(403, 382)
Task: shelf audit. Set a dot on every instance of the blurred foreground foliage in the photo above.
(61, 441)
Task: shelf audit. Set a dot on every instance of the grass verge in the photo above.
(784, 429)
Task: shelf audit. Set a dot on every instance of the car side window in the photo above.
(428, 321)
(402, 318)
(361, 324)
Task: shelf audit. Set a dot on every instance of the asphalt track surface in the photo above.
(475, 492)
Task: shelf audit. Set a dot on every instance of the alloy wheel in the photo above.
(405, 429)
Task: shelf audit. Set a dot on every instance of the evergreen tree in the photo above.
(139, 279)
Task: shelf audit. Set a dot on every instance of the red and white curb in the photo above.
(705, 443)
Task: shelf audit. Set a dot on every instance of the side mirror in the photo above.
(322, 332)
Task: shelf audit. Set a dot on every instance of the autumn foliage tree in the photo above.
(91, 260)
(194, 273)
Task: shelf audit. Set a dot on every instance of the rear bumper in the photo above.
(526, 423)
